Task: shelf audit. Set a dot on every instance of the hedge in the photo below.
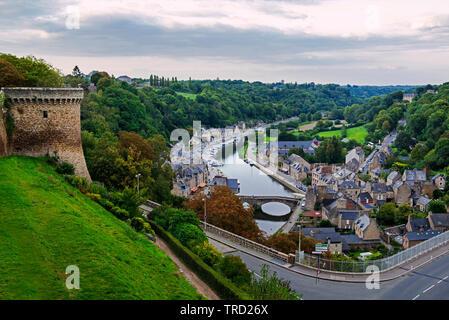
(224, 288)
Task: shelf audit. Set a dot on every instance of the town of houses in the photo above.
(337, 193)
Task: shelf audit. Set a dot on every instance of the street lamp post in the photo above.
(205, 216)
(138, 183)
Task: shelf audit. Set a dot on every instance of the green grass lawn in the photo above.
(357, 133)
(187, 95)
(47, 225)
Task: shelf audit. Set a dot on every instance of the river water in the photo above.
(252, 182)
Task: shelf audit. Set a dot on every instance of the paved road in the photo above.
(429, 282)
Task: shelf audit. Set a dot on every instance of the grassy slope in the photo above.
(358, 133)
(47, 225)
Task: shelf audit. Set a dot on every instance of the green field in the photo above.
(187, 95)
(357, 133)
(47, 225)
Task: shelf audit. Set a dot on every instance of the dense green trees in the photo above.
(35, 72)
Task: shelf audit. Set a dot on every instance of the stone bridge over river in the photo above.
(260, 200)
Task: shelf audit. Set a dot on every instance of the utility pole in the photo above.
(205, 216)
(138, 183)
(299, 241)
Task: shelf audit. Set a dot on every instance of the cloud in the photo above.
(329, 40)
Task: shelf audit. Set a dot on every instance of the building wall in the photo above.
(3, 137)
(47, 120)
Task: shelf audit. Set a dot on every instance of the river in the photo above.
(252, 181)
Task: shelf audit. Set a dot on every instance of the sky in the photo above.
(323, 41)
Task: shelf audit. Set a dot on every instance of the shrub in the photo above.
(271, 287)
(77, 182)
(120, 213)
(141, 225)
(179, 216)
(65, 168)
(189, 234)
(207, 253)
(93, 196)
(233, 268)
(108, 205)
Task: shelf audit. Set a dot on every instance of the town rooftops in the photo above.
(423, 200)
(365, 197)
(415, 175)
(380, 188)
(308, 231)
(419, 224)
(363, 222)
(440, 219)
(233, 184)
(393, 175)
(421, 236)
(349, 215)
(348, 185)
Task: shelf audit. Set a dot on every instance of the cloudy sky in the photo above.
(325, 41)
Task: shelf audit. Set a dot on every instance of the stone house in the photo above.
(346, 219)
(402, 193)
(319, 172)
(439, 181)
(381, 193)
(414, 176)
(438, 221)
(366, 228)
(326, 235)
(357, 153)
(423, 203)
(393, 177)
(411, 239)
(297, 167)
(349, 189)
(417, 225)
(378, 160)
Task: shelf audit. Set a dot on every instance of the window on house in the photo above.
(45, 114)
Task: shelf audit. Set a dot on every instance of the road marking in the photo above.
(416, 297)
(257, 275)
(428, 288)
(445, 277)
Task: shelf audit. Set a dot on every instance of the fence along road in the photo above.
(338, 270)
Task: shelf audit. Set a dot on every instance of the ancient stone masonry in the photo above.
(46, 120)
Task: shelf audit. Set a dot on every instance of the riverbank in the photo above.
(278, 178)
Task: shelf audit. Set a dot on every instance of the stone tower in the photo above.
(47, 120)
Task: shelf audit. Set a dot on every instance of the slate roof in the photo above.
(423, 200)
(363, 222)
(365, 197)
(440, 219)
(421, 236)
(334, 237)
(307, 231)
(393, 175)
(417, 224)
(415, 175)
(349, 215)
(348, 185)
(381, 188)
(233, 184)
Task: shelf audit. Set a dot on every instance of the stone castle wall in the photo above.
(47, 120)
(3, 136)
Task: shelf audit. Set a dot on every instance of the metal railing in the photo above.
(383, 264)
(245, 242)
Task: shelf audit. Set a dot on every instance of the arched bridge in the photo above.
(260, 200)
